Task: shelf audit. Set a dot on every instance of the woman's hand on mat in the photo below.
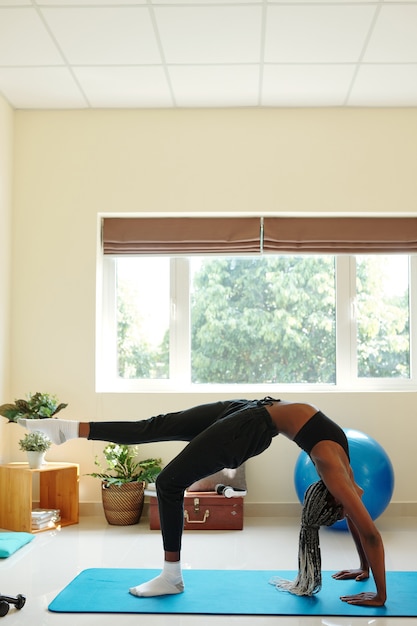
(349, 574)
(364, 599)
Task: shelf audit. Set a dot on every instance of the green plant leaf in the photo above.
(123, 467)
(10, 411)
(36, 406)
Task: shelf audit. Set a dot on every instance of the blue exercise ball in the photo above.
(371, 467)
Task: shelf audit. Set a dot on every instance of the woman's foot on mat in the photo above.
(159, 586)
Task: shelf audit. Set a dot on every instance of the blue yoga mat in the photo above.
(229, 592)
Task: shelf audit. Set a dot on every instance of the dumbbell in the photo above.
(5, 602)
(229, 492)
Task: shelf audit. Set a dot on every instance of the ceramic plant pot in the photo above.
(35, 459)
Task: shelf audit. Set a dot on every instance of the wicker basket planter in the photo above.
(123, 504)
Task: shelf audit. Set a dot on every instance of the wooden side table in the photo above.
(58, 489)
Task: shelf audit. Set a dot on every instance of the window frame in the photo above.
(180, 363)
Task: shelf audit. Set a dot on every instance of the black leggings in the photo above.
(220, 435)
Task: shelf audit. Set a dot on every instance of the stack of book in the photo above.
(45, 518)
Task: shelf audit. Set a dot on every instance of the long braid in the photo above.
(319, 509)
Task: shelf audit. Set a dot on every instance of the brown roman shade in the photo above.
(340, 235)
(253, 235)
(181, 235)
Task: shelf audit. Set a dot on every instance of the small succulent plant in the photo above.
(35, 442)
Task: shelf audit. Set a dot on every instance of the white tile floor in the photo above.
(46, 565)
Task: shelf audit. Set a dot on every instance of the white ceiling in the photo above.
(57, 54)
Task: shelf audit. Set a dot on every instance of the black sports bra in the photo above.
(320, 428)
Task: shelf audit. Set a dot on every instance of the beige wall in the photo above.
(6, 157)
(71, 166)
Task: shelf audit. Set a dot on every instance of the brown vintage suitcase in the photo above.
(205, 510)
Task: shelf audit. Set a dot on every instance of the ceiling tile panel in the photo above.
(83, 3)
(306, 85)
(124, 87)
(104, 36)
(394, 85)
(13, 3)
(317, 34)
(271, 2)
(215, 85)
(189, 3)
(24, 40)
(394, 38)
(210, 34)
(41, 88)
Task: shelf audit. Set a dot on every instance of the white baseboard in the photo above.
(286, 509)
(401, 509)
(269, 509)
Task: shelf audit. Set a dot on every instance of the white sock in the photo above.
(57, 430)
(168, 582)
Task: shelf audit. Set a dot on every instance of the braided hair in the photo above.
(319, 509)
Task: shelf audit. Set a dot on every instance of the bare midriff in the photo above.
(290, 417)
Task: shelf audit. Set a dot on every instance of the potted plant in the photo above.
(123, 482)
(35, 406)
(35, 445)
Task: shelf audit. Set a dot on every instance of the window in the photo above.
(266, 320)
(382, 317)
(313, 321)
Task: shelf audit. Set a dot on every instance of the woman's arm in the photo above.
(374, 553)
(338, 479)
(362, 573)
(368, 537)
